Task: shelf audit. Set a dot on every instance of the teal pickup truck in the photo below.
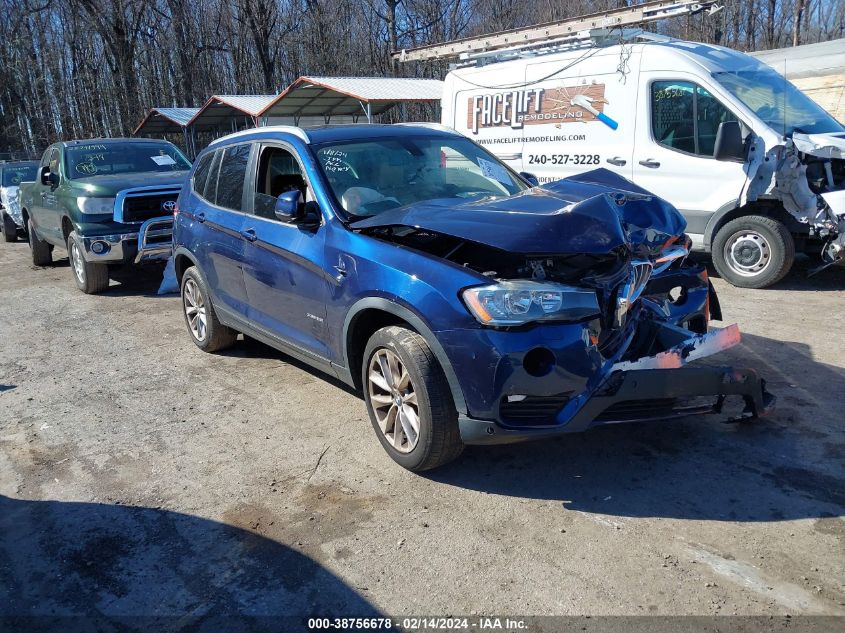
(107, 201)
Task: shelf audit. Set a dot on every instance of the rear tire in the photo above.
(10, 229)
(42, 254)
(90, 278)
(753, 251)
(206, 330)
(409, 400)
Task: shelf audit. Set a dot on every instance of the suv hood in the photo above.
(592, 213)
(110, 184)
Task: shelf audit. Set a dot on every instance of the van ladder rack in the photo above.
(580, 28)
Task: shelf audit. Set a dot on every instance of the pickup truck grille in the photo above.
(138, 208)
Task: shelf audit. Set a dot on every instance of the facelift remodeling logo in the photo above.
(518, 108)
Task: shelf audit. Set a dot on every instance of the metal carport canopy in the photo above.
(165, 120)
(221, 109)
(351, 96)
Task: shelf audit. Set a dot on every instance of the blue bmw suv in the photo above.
(468, 304)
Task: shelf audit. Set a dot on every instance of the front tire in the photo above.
(90, 278)
(206, 330)
(409, 400)
(42, 255)
(10, 229)
(753, 251)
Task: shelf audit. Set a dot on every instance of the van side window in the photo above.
(201, 173)
(230, 182)
(686, 117)
(278, 172)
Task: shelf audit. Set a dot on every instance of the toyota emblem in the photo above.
(169, 206)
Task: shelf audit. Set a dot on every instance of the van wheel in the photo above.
(409, 401)
(42, 255)
(90, 278)
(205, 328)
(10, 229)
(753, 251)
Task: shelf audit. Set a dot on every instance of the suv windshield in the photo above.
(778, 103)
(13, 175)
(371, 176)
(123, 158)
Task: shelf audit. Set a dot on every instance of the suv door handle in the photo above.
(650, 162)
(618, 161)
(200, 217)
(249, 235)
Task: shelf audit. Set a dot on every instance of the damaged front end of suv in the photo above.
(585, 312)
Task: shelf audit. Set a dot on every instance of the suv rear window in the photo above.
(230, 182)
(201, 173)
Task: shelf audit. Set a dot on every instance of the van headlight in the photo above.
(519, 302)
(95, 206)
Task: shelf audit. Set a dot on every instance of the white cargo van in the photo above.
(753, 164)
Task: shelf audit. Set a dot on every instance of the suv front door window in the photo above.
(287, 290)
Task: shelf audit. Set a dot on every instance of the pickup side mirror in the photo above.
(729, 143)
(47, 177)
(531, 178)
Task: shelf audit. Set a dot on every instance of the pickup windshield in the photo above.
(778, 103)
(369, 177)
(13, 175)
(94, 158)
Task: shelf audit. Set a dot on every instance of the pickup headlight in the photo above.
(519, 302)
(95, 206)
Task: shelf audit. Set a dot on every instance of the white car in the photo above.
(11, 175)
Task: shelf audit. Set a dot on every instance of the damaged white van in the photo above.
(754, 165)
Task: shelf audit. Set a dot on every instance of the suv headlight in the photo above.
(95, 206)
(519, 302)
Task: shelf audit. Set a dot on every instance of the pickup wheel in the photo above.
(409, 401)
(42, 254)
(90, 278)
(10, 229)
(203, 325)
(753, 251)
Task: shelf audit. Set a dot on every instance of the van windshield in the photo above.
(778, 103)
(371, 176)
(91, 159)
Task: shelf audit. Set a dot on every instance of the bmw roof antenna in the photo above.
(587, 30)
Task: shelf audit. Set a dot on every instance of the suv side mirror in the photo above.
(729, 143)
(289, 206)
(48, 178)
(531, 178)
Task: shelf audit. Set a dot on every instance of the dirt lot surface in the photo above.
(139, 475)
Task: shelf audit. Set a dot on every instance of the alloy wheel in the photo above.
(748, 253)
(394, 400)
(195, 310)
(77, 263)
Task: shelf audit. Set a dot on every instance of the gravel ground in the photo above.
(139, 475)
